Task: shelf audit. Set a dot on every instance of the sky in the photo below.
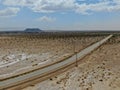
(60, 14)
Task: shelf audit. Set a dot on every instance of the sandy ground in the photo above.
(98, 71)
(20, 54)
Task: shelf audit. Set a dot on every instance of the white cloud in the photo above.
(45, 6)
(50, 6)
(99, 7)
(46, 19)
(9, 12)
(54, 6)
(18, 2)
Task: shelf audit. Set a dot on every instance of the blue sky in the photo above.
(60, 14)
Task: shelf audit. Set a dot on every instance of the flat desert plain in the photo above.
(23, 53)
(98, 71)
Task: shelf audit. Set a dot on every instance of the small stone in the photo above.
(51, 79)
(101, 80)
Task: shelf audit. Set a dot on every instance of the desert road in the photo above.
(16, 81)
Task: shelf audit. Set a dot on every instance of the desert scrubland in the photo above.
(98, 71)
(22, 53)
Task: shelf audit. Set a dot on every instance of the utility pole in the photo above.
(74, 50)
(76, 60)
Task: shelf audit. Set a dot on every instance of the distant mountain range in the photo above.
(32, 30)
(27, 30)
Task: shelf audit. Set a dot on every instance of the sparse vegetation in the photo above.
(97, 71)
(28, 49)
